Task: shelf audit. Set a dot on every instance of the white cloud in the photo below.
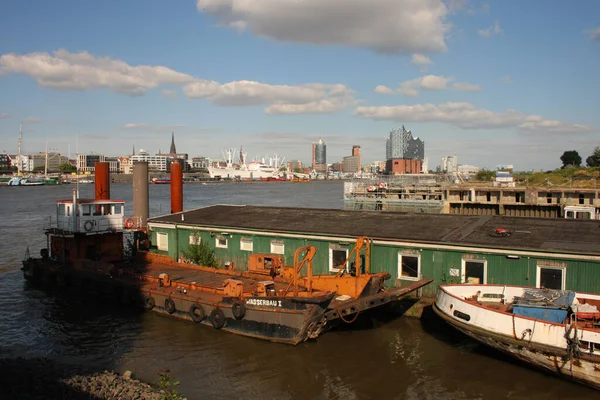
(429, 82)
(150, 127)
(32, 120)
(465, 87)
(594, 34)
(169, 93)
(4, 115)
(422, 61)
(467, 116)
(506, 79)
(491, 31)
(384, 26)
(82, 71)
(381, 89)
(62, 70)
(311, 98)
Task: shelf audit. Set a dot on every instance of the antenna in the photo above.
(77, 168)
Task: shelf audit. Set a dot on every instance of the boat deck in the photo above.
(191, 275)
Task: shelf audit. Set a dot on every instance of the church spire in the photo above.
(173, 150)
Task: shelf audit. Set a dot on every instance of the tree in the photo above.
(594, 159)
(485, 175)
(66, 167)
(570, 158)
(200, 253)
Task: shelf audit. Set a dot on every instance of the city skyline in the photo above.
(491, 82)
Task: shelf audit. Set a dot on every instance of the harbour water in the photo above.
(383, 358)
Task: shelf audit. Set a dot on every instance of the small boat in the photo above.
(558, 331)
(161, 180)
(21, 181)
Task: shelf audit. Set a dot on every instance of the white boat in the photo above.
(21, 181)
(255, 170)
(558, 331)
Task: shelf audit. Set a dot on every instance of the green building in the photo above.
(551, 253)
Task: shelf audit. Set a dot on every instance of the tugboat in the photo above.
(86, 251)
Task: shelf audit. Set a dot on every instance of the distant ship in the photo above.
(161, 180)
(255, 170)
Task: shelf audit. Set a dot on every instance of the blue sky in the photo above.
(492, 82)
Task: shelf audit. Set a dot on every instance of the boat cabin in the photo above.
(89, 215)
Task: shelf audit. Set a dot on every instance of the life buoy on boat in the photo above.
(371, 188)
(89, 225)
(217, 318)
(170, 306)
(197, 313)
(238, 309)
(128, 223)
(149, 303)
(383, 185)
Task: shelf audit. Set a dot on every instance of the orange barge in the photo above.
(270, 301)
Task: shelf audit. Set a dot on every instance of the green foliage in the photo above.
(66, 167)
(200, 254)
(594, 159)
(570, 158)
(167, 386)
(485, 175)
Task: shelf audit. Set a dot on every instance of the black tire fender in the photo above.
(197, 313)
(238, 309)
(149, 303)
(170, 306)
(217, 318)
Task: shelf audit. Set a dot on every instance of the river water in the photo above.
(382, 358)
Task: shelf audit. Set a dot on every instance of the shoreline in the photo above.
(48, 378)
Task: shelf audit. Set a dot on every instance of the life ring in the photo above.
(128, 223)
(89, 225)
(371, 188)
(238, 309)
(197, 313)
(170, 306)
(149, 303)
(217, 318)
(382, 185)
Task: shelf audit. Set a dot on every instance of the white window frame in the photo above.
(246, 244)
(195, 239)
(162, 241)
(409, 278)
(219, 245)
(538, 275)
(277, 247)
(331, 250)
(463, 270)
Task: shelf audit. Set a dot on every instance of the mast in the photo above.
(19, 172)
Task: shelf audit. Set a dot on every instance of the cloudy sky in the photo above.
(492, 82)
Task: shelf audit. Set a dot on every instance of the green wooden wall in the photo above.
(581, 275)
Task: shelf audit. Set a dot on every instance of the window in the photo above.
(409, 266)
(162, 241)
(118, 209)
(195, 239)
(61, 209)
(337, 257)
(551, 277)
(474, 271)
(520, 197)
(246, 244)
(277, 247)
(221, 242)
(85, 210)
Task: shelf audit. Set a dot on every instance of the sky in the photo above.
(491, 82)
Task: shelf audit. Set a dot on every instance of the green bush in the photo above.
(200, 254)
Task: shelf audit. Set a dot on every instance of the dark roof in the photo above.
(574, 236)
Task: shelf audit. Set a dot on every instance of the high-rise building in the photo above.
(402, 144)
(319, 156)
(403, 152)
(449, 164)
(87, 162)
(356, 152)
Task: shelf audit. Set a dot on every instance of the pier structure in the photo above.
(426, 193)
